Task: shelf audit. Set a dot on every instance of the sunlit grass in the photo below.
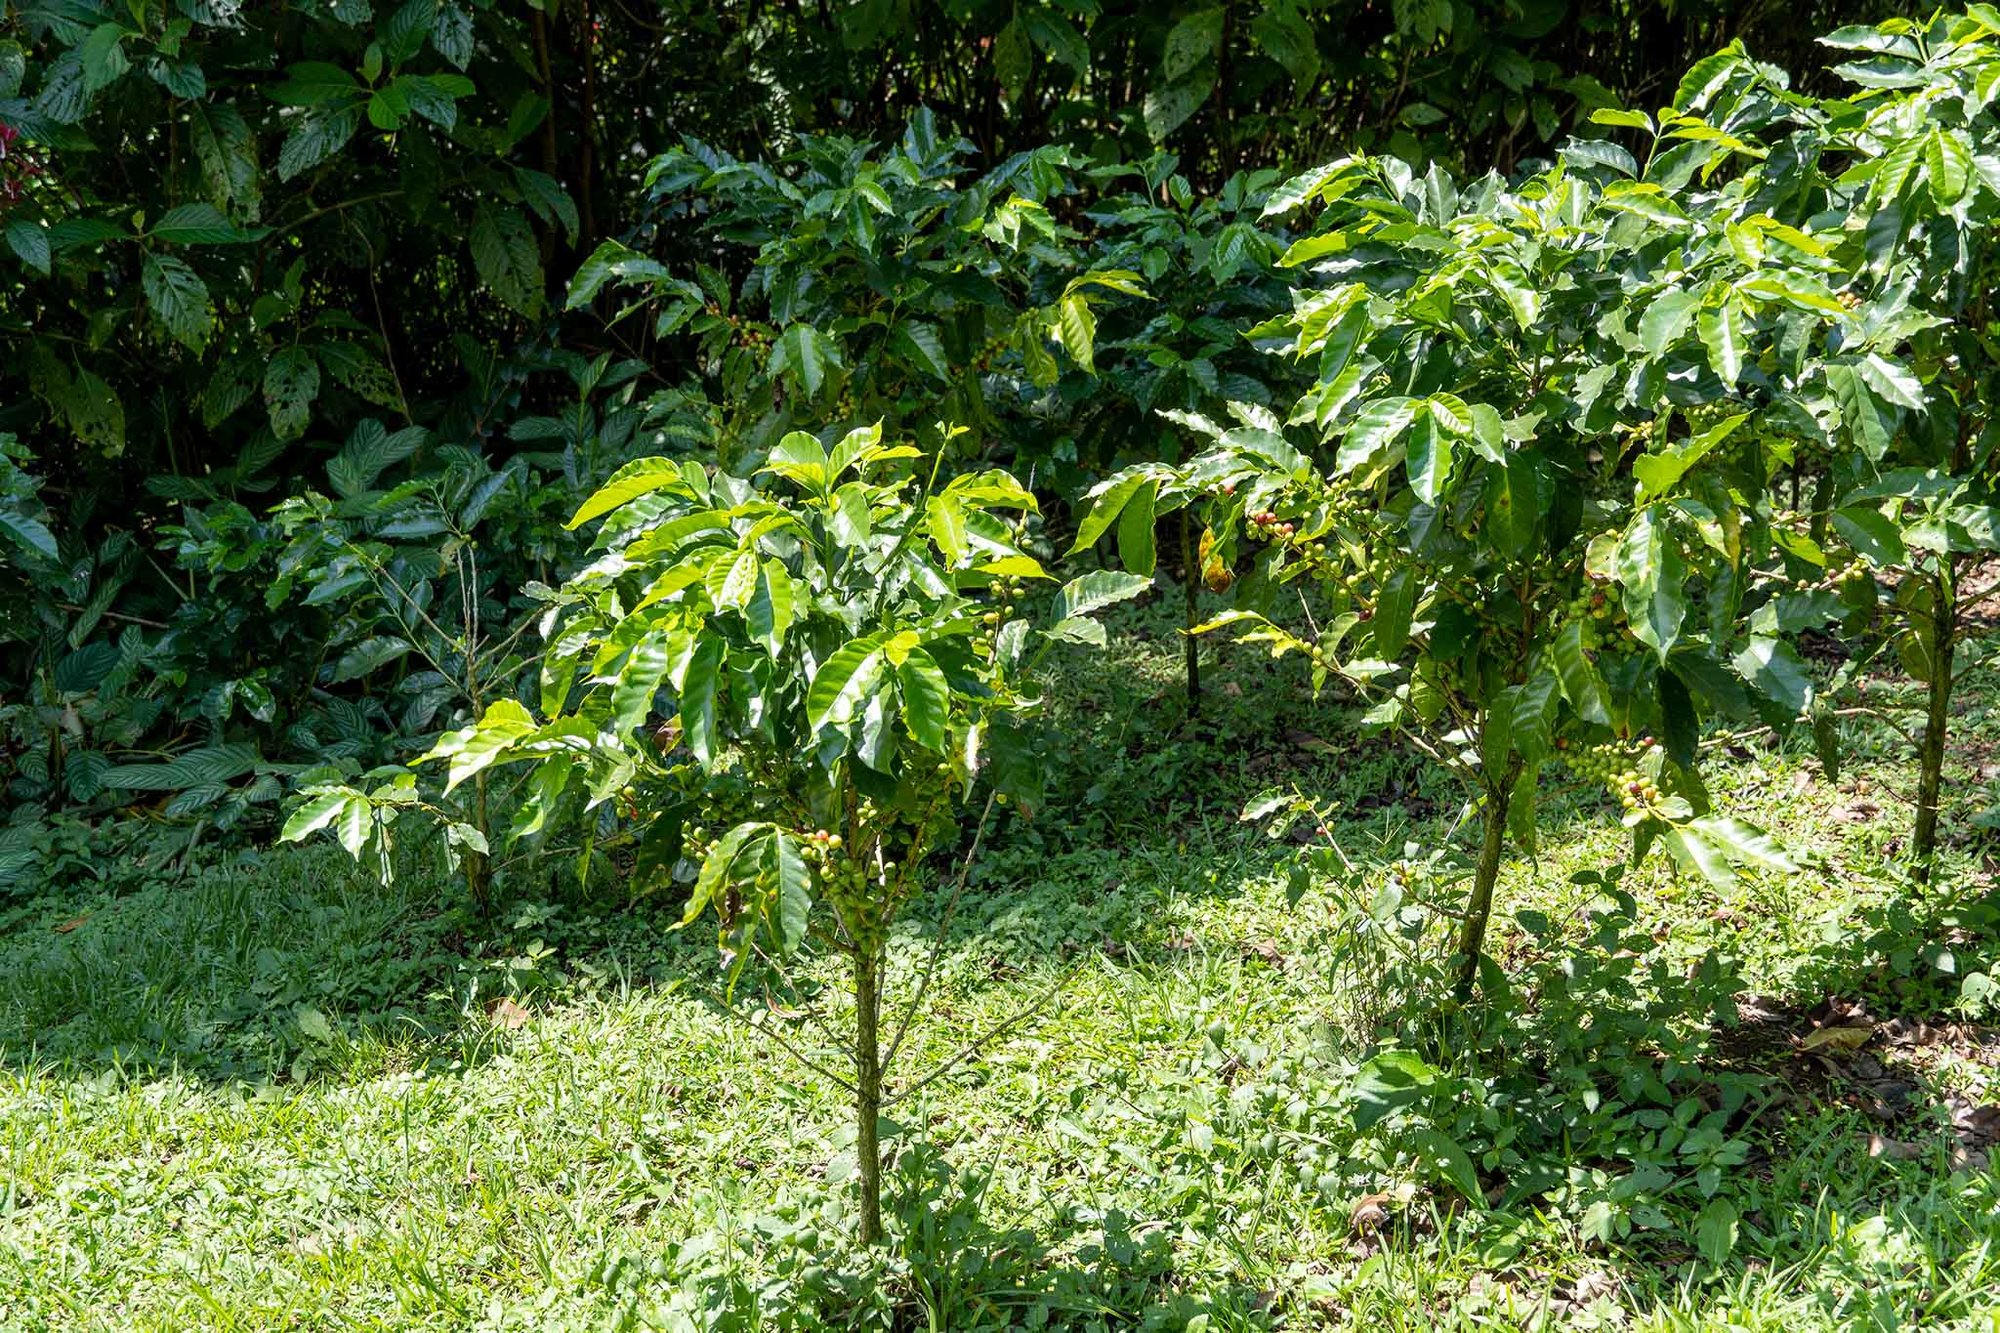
(272, 1097)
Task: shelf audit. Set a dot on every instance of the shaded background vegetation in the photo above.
(237, 235)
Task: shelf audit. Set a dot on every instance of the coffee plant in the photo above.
(1555, 410)
(793, 687)
(852, 284)
(1911, 216)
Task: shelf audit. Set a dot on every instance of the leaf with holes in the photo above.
(291, 384)
(507, 259)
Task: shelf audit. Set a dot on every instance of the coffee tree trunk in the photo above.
(868, 1088)
(478, 873)
(1472, 935)
(1937, 720)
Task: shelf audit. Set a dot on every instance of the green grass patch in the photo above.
(270, 1095)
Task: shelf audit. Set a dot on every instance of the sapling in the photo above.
(1551, 412)
(795, 687)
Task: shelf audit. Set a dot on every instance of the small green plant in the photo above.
(794, 688)
(1554, 410)
(1917, 202)
(23, 517)
(884, 284)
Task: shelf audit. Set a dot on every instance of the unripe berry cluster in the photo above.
(1615, 764)
(1598, 612)
(1835, 578)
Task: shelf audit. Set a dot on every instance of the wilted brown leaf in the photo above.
(1593, 1286)
(1368, 1214)
(1266, 950)
(1896, 1150)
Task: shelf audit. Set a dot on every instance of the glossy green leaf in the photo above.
(700, 689)
(1775, 669)
(1581, 681)
(1395, 604)
(843, 681)
(1078, 327)
(318, 811)
(642, 476)
(1381, 424)
(1107, 502)
(1725, 334)
(800, 458)
(369, 656)
(639, 680)
(1651, 570)
(1665, 318)
(1872, 534)
(472, 749)
(1093, 592)
(1136, 520)
(773, 606)
(806, 356)
(1744, 842)
(719, 868)
(1429, 455)
(1696, 855)
(791, 891)
(926, 699)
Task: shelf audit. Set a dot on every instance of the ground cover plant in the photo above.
(1126, 624)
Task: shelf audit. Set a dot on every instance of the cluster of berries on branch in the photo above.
(1616, 765)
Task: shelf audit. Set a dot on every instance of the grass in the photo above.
(272, 1096)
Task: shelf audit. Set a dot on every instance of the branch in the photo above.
(1881, 717)
(937, 945)
(992, 1034)
(119, 615)
(729, 1011)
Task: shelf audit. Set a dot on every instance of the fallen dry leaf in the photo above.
(1977, 1124)
(1368, 1213)
(1593, 1285)
(1896, 1150)
(507, 1014)
(1268, 951)
(1837, 1039)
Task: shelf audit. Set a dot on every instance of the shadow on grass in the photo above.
(945, 1264)
(250, 972)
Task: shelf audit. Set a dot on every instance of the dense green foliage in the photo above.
(681, 510)
(318, 1120)
(234, 235)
